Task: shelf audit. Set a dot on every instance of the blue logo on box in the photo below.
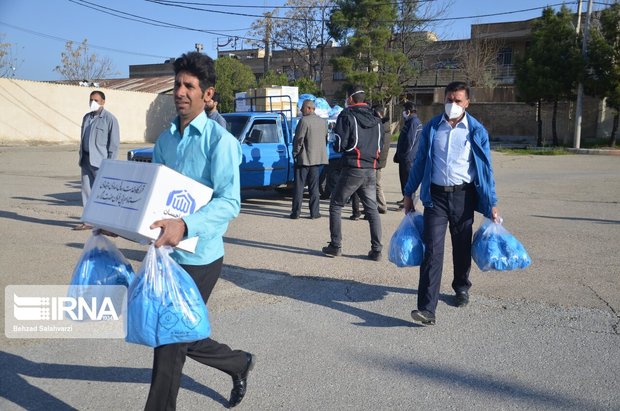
(181, 201)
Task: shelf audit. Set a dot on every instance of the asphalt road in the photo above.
(334, 334)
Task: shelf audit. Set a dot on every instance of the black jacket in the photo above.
(359, 136)
(408, 141)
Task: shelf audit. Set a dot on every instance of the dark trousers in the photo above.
(403, 174)
(455, 210)
(362, 180)
(306, 175)
(169, 359)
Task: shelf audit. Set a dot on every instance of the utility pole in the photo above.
(584, 53)
(267, 60)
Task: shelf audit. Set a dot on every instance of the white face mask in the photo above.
(453, 110)
(405, 115)
(94, 106)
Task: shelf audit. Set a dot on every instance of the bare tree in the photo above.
(302, 32)
(8, 58)
(78, 64)
(413, 33)
(478, 60)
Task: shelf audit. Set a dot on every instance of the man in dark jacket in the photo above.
(407, 145)
(359, 136)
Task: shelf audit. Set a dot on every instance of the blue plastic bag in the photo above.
(322, 107)
(102, 263)
(494, 248)
(164, 305)
(303, 98)
(406, 245)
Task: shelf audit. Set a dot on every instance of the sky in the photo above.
(39, 29)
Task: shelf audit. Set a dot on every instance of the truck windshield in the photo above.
(236, 124)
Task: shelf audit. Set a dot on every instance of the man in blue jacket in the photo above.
(453, 166)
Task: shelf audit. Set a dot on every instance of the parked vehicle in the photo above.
(266, 139)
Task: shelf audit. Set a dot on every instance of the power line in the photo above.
(184, 5)
(36, 33)
(145, 20)
(243, 6)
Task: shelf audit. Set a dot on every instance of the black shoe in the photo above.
(423, 316)
(462, 298)
(314, 217)
(374, 255)
(240, 382)
(354, 217)
(332, 250)
(293, 216)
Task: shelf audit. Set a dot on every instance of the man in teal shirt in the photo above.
(198, 148)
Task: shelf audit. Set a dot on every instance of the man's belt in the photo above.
(449, 189)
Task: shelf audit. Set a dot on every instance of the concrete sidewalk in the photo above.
(334, 334)
(347, 345)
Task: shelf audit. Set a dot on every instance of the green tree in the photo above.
(370, 58)
(307, 86)
(232, 77)
(80, 64)
(552, 65)
(604, 63)
(271, 78)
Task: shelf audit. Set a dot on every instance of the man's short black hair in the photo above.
(409, 106)
(457, 86)
(199, 65)
(356, 93)
(216, 97)
(100, 94)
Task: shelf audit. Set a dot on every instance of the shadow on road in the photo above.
(18, 390)
(593, 220)
(340, 295)
(500, 387)
(14, 216)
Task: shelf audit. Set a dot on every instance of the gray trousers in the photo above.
(88, 177)
(381, 204)
(364, 182)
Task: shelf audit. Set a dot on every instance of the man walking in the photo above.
(211, 109)
(407, 145)
(359, 136)
(309, 152)
(204, 151)
(381, 203)
(454, 169)
(100, 139)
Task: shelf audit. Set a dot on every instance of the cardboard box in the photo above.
(127, 197)
(291, 91)
(258, 99)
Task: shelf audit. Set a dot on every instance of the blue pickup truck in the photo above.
(267, 144)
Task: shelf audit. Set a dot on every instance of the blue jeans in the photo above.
(350, 180)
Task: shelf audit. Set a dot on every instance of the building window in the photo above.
(338, 76)
(504, 57)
